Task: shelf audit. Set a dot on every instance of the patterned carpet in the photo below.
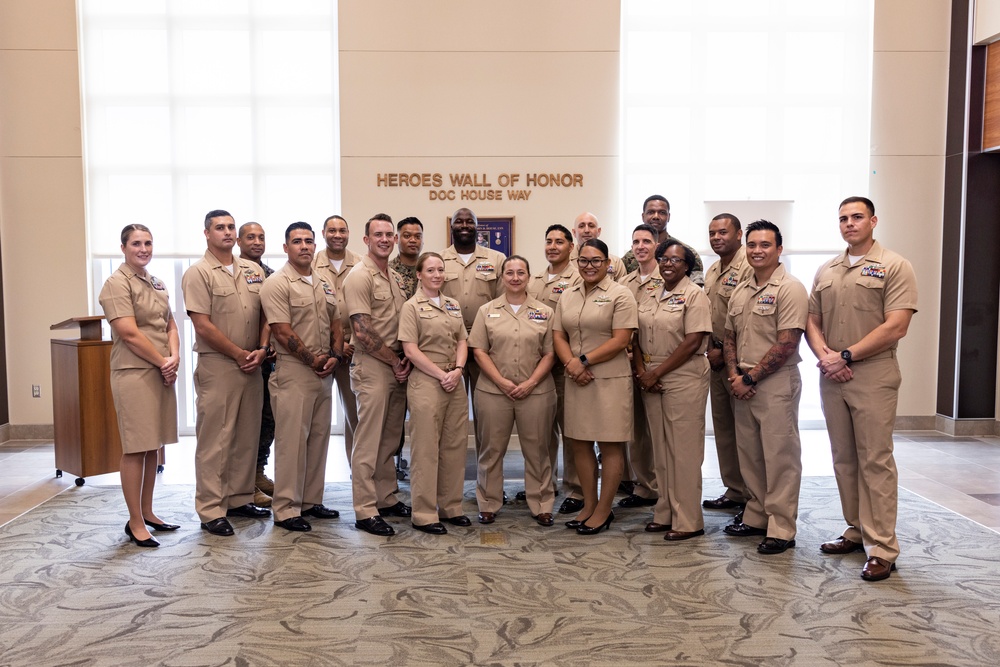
(74, 592)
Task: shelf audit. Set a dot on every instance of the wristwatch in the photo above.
(583, 360)
(749, 381)
(846, 356)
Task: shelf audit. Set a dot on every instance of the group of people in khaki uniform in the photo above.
(575, 352)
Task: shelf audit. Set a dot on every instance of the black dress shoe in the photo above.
(743, 530)
(571, 505)
(575, 523)
(626, 487)
(505, 498)
(321, 512)
(160, 526)
(140, 543)
(295, 523)
(399, 509)
(584, 529)
(249, 510)
(432, 528)
(739, 517)
(460, 520)
(220, 526)
(723, 502)
(772, 545)
(375, 526)
(636, 501)
(521, 495)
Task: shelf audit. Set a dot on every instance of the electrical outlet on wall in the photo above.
(36, 391)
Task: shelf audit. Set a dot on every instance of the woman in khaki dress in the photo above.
(144, 362)
(673, 373)
(593, 325)
(433, 335)
(511, 340)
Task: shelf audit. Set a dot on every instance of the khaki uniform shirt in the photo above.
(616, 269)
(643, 289)
(436, 329)
(720, 281)
(321, 263)
(408, 274)
(287, 298)
(516, 342)
(697, 274)
(853, 300)
(368, 291)
(231, 300)
(127, 294)
(589, 320)
(548, 290)
(472, 284)
(758, 312)
(665, 318)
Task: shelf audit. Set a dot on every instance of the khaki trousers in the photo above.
(724, 426)
(348, 405)
(860, 416)
(767, 432)
(302, 404)
(571, 480)
(640, 450)
(381, 411)
(439, 438)
(676, 421)
(227, 423)
(497, 415)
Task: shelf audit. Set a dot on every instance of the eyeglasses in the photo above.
(595, 261)
(671, 260)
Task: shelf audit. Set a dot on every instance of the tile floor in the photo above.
(959, 473)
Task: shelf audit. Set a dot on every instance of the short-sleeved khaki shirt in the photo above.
(288, 298)
(758, 312)
(472, 284)
(720, 281)
(589, 320)
(368, 291)
(231, 300)
(321, 263)
(548, 290)
(127, 294)
(643, 289)
(853, 300)
(516, 342)
(666, 317)
(435, 328)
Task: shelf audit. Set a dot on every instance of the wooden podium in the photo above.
(86, 426)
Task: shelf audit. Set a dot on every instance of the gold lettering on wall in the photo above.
(478, 186)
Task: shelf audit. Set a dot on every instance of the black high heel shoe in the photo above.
(575, 523)
(140, 543)
(584, 529)
(160, 526)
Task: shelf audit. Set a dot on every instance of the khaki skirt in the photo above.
(600, 411)
(147, 410)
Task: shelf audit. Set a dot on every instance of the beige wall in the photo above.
(473, 87)
(446, 86)
(986, 26)
(910, 81)
(45, 275)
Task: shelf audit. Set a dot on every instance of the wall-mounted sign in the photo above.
(469, 187)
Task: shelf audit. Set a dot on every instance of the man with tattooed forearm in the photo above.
(767, 315)
(301, 308)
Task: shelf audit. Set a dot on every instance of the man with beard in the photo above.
(334, 264)
(471, 277)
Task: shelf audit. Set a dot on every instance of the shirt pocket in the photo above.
(869, 294)
(381, 295)
(484, 283)
(300, 302)
(224, 299)
(827, 299)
